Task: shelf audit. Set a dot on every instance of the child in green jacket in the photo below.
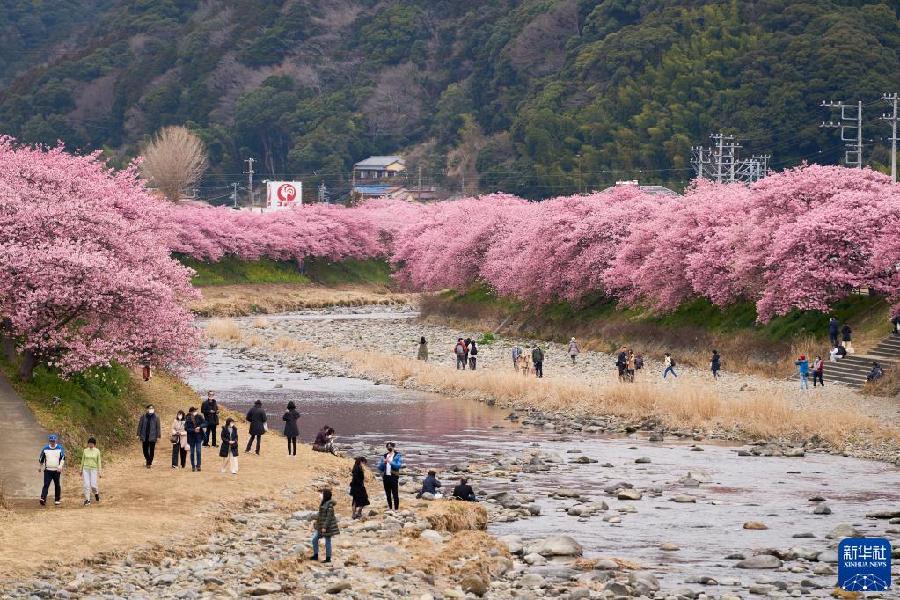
(90, 470)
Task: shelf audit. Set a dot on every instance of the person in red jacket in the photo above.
(818, 371)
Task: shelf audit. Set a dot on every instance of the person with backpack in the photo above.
(669, 364)
(460, 351)
(210, 411)
(291, 429)
(818, 371)
(149, 433)
(537, 358)
(516, 353)
(389, 465)
(52, 458)
(195, 425)
(473, 355)
(803, 369)
(574, 350)
(715, 364)
(326, 526)
(847, 337)
(256, 416)
(90, 470)
(229, 449)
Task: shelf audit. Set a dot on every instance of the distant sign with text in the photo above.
(283, 194)
(864, 564)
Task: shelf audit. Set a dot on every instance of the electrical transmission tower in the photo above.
(854, 152)
(891, 118)
(720, 163)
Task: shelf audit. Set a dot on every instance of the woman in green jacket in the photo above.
(326, 526)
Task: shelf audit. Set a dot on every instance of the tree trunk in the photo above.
(7, 343)
(26, 367)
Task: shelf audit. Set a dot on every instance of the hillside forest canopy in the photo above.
(532, 97)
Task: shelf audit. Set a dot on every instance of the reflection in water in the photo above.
(436, 431)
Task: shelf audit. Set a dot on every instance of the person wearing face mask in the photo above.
(149, 433)
(179, 440)
(389, 465)
(229, 448)
(195, 425)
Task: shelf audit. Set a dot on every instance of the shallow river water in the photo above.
(436, 431)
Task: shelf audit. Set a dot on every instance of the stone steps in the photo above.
(853, 369)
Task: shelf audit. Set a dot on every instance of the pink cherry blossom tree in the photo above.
(85, 273)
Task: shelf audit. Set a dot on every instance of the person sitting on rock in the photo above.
(324, 440)
(464, 491)
(429, 486)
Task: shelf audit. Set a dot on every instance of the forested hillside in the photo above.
(535, 97)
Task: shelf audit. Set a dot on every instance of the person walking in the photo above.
(537, 358)
(53, 460)
(324, 441)
(195, 425)
(460, 351)
(895, 324)
(423, 349)
(210, 410)
(256, 416)
(516, 353)
(473, 354)
(669, 364)
(622, 363)
(524, 363)
(149, 433)
(179, 439)
(326, 526)
(358, 487)
(430, 485)
(833, 327)
(630, 366)
(715, 364)
(90, 470)
(818, 371)
(229, 448)
(389, 465)
(291, 429)
(803, 370)
(847, 337)
(574, 350)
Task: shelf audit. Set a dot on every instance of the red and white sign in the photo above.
(283, 194)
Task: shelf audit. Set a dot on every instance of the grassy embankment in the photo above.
(690, 332)
(236, 288)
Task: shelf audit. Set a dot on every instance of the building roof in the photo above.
(374, 190)
(379, 162)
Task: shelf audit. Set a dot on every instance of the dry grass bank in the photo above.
(754, 415)
(150, 506)
(243, 300)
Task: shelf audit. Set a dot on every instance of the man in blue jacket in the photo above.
(195, 425)
(52, 459)
(803, 367)
(389, 465)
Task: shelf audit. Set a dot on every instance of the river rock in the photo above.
(557, 545)
(337, 588)
(760, 561)
(683, 498)
(794, 452)
(884, 514)
(644, 460)
(534, 509)
(755, 525)
(844, 530)
(513, 543)
(534, 559)
(606, 564)
(432, 536)
(474, 584)
(583, 460)
(828, 556)
(628, 494)
(265, 588)
(822, 509)
(669, 547)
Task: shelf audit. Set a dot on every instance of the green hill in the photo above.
(537, 97)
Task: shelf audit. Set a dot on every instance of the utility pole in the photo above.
(580, 174)
(891, 118)
(249, 172)
(724, 156)
(853, 154)
(234, 194)
(419, 186)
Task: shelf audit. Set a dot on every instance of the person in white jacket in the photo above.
(574, 350)
(52, 460)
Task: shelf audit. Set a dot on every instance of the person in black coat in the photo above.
(195, 425)
(358, 487)
(291, 429)
(210, 410)
(256, 416)
(464, 491)
(149, 432)
(229, 448)
(833, 326)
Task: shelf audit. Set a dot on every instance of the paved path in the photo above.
(21, 440)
